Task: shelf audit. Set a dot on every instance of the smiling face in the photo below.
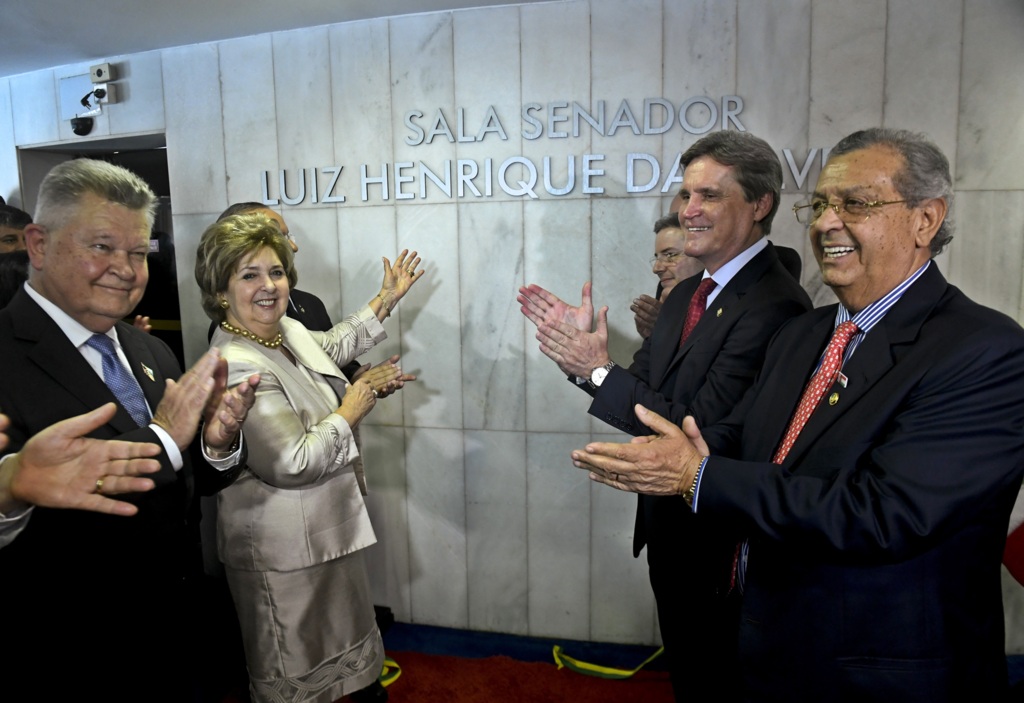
(671, 265)
(863, 261)
(93, 267)
(718, 220)
(257, 293)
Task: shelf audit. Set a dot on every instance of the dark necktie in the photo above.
(820, 382)
(121, 383)
(698, 304)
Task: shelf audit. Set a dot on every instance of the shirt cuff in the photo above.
(700, 474)
(170, 447)
(228, 462)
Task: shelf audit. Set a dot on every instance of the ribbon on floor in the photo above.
(605, 672)
(390, 672)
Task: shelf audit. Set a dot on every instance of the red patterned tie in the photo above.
(698, 303)
(820, 382)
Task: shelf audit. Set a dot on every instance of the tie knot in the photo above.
(705, 288)
(845, 331)
(101, 343)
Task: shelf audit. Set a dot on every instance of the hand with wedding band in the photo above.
(62, 468)
(385, 378)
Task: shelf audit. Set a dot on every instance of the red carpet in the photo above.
(428, 678)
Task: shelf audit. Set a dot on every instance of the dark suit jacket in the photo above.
(86, 588)
(874, 560)
(707, 376)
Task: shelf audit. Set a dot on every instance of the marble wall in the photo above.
(481, 518)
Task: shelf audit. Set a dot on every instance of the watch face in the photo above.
(599, 375)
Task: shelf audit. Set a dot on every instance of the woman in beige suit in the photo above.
(291, 528)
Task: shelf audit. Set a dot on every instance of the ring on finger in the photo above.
(99, 486)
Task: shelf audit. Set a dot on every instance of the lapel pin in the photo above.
(841, 379)
(719, 313)
(148, 371)
(833, 399)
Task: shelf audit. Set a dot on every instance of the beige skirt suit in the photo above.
(291, 528)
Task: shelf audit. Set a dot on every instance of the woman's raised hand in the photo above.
(399, 277)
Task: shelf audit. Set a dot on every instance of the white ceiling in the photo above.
(44, 33)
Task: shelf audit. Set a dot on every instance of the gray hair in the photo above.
(757, 166)
(669, 220)
(63, 187)
(924, 176)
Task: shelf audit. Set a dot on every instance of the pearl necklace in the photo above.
(272, 344)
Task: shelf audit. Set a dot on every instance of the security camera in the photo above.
(81, 125)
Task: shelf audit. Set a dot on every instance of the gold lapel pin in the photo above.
(719, 313)
(148, 371)
(833, 399)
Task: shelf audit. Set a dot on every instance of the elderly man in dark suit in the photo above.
(692, 364)
(874, 464)
(97, 603)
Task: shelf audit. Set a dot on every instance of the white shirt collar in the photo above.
(75, 331)
(727, 272)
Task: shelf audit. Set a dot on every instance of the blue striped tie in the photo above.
(121, 383)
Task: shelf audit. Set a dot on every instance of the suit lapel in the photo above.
(143, 364)
(726, 306)
(54, 354)
(873, 359)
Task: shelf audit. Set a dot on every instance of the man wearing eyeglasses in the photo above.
(874, 463)
(703, 353)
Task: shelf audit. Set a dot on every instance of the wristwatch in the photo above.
(599, 373)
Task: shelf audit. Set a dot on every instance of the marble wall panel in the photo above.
(438, 575)
(383, 450)
(777, 109)
(987, 251)
(847, 49)
(431, 323)
(922, 52)
(557, 254)
(194, 322)
(250, 134)
(621, 601)
(558, 537)
(487, 74)
(700, 60)
(36, 110)
(422, 80)
(302, 85)
(496, 531)
(10, 184)
(991, 128)
(623, 241)
(361, 100)
(364, 236)
(555, 55)
(639, 26)
(490, 271)
(195, 131)
(140, 89)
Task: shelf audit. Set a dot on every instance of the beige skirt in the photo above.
(310, 635)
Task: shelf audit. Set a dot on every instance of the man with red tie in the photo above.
(692, 364)
(873, 465)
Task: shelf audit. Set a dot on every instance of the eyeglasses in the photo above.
(851, 211)
(666, 257)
